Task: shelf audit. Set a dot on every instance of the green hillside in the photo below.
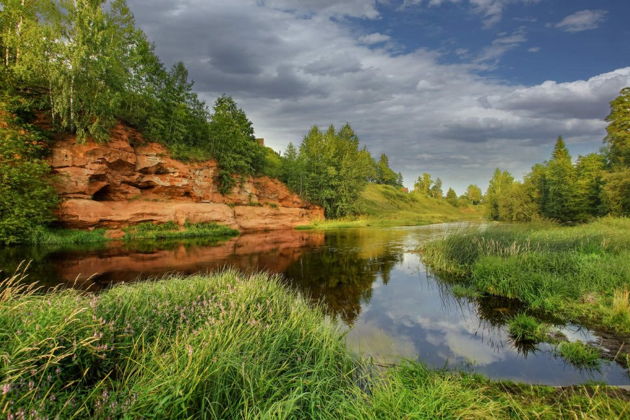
(384, 205)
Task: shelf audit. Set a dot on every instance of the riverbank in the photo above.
(387, 206)
(579, 273)
(143, 231)
(230, 346)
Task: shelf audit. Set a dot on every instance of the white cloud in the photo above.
(582, 20)
(534, 49)
(352, 8)
(289, 72)
(500, 46)
(374, 38)
(491, 11)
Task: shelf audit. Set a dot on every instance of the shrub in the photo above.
(26, 197)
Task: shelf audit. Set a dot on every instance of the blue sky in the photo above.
(455, 88)
(540, 49)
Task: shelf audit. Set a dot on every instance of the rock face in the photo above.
(128, 181)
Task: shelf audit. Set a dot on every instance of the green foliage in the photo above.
(330, 170)
(451, 197)
(423, 185)
(579, 354)
(26, 197)
(230, 346)
(171, 230)
(63, 237)
(616, 192)
(577, 270)
(618, 138)
(384, 174)
(525, 328)
(560, 192)
(597, 184)
(87, 64)
(233, 143)
(473, 194)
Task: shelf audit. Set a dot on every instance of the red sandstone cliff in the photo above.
(128, 181)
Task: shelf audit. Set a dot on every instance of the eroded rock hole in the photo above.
(103, 194)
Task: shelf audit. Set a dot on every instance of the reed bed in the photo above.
(580, 272)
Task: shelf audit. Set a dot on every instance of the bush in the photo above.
(26, 197)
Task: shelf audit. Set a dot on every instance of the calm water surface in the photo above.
(371, 280)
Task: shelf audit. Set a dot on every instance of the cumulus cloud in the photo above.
(582, 20)
(290, 69)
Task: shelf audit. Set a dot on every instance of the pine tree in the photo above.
(560, 202)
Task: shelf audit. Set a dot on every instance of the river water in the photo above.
(372, 281)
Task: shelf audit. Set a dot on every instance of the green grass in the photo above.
(230, 346)
(580, 273)
(171, 230)
(384, 206)
(526, 328)
(579, 354)
(142, 231)
(49, 236)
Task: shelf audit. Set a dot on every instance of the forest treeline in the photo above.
(85, 65)
(566, 191)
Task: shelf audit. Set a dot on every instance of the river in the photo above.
(372, 281)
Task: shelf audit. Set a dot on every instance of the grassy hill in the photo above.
(384, 205)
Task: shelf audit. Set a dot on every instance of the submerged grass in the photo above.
(580, 272)
(229, 346)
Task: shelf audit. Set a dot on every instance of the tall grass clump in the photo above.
(579, 354)
(227, 345)
(580, 271)
(527, 328)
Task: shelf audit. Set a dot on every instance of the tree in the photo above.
(436, 189)
(473, 194)
(330, 169)
(589, 186)
(560, 196)
(26, 197)
(618, 131)
(233, 143)
(451, 197)
(423, 184)
(499, 186)
(616, 191)
(385, 175)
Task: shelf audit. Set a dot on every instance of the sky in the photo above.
(455, 88)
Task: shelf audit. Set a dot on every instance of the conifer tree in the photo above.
(560, 185)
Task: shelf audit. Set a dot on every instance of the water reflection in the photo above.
(372, 281)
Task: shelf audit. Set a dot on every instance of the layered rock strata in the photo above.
(127, 181)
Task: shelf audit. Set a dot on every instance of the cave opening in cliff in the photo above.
(102, 194)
